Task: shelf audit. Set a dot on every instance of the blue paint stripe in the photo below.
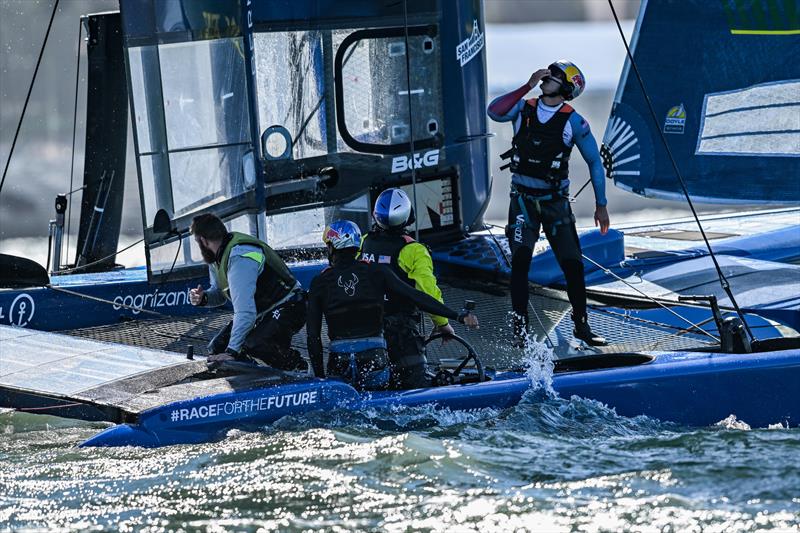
(746, 133)
(751, 108)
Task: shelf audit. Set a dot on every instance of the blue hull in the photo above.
(686, 388)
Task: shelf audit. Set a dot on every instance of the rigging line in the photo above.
(613, 275)
(410, 120)
(411, 137)
(87, 265)
(104, 301)
(722, 279)
(48, 407)
(508, 263)
(74, 134)
(679, 331)
(582, 188)
(121, 305)
(610, 273)
(28, 96)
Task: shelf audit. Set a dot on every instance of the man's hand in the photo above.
(446, 330)
(601, 218)
(196, 295)
(537, 76)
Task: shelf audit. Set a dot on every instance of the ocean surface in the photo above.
(548, 464)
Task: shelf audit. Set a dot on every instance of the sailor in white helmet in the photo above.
(390, 244)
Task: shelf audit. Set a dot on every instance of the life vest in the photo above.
(274, 283)
(383, 247)
(353, 298)
(538, 149)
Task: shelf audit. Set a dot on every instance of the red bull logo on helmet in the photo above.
(574, 76)
(331, 235)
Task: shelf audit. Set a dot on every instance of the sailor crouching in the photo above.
(268, 303)
(350, 295)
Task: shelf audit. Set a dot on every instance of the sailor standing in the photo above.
(545, 131)
(269, 305)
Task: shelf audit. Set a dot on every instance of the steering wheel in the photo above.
(449, 377)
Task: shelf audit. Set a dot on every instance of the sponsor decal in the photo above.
(471, 46)
(137, 302)
(349, 286)
(244, 407)
(20, 312)
(676, 120)
(402, 163)
(518, 228)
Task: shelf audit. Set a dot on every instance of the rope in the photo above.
(28, 96)
(722, 279)
(618, 278)
(74, 130)
(48, 407)
(610, 273)
(87, 265)
(411, 137)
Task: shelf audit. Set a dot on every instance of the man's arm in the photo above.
(314, 328)
(416, 262)
(396, 286)
(213, 296)
(242, 278)
(505, 108)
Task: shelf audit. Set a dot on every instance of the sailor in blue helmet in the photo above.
(390, 244)
(545, 131)
(350, 295)
(268, 303)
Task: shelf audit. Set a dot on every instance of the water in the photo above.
(548, 464)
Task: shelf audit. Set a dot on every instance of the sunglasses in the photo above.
(556, 75)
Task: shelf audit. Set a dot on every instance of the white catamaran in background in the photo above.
(281, 116)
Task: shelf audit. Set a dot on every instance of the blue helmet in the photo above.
(342, 234)
(393, 209)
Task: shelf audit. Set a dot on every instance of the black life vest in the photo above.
(383, 247)
(274, 283)
(538, 149)
(353, 295)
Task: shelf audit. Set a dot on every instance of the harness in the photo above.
(536, 199)
(368, 349)
(538, 149)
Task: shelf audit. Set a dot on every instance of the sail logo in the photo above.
(20, 312)
(471, 46)
(402, 163)
(676, 120)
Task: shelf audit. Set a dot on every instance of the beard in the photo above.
(208, 256)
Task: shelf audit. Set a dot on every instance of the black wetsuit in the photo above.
(351, 296)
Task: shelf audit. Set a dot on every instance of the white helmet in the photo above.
(393, 209)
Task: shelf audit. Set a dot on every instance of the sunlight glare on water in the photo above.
(547, 464)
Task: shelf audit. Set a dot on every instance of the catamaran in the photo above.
(281, 116)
